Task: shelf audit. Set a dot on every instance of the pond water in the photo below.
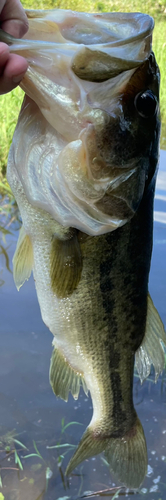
(33, 421)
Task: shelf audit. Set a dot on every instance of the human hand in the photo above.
(12, 67)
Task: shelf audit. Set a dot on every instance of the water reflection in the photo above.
(35, 443)
(10, 224)
(160, 195)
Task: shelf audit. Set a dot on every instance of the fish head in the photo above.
(95, 82)
(129, 140)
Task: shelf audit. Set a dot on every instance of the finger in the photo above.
(13, 18)
(13, 73)
(15, 66)
(4, 56)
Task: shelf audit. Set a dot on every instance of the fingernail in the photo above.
(18, 78)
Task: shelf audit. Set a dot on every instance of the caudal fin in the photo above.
(91, 444)
(127, 456)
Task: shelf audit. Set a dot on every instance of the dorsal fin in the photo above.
(23, 259)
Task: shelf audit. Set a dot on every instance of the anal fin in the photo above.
(151, 351)
(23, 259)
(63, 378)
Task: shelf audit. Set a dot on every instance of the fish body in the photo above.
(83, 166)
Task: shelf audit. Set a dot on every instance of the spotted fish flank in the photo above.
(89, 132)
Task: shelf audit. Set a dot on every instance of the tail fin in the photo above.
(91, 444)
(127, 456)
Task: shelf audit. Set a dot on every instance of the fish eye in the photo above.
(146, 104)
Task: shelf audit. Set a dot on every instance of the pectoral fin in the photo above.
(23, 259)
(63, 378)
(151, 351)
(65, 265)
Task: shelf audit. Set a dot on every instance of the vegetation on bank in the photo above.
(10, 104)
(152, 7)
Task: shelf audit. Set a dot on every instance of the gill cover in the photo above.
(79, 68)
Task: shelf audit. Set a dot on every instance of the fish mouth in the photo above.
(101, 46)
(79, 74)
(112, 28)
(112, 44)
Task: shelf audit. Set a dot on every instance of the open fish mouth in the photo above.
(80, 69)
(95, 47)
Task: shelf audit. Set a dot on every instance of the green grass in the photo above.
(14, 451)
(159, 43)
(151, 7)
(9, 109)
(11, 103)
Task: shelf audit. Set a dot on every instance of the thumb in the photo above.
(13, 18)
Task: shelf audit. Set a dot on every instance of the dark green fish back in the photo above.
(116, 267)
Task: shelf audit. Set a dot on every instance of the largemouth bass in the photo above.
(82, 167)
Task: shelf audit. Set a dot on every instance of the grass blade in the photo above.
(20, 444)
(32, 455)
(116, 494)
(3, 251)
(68, 425)
(4, 230)
(37, 451)
(91, 494)
(18, 461)
(57, 446)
